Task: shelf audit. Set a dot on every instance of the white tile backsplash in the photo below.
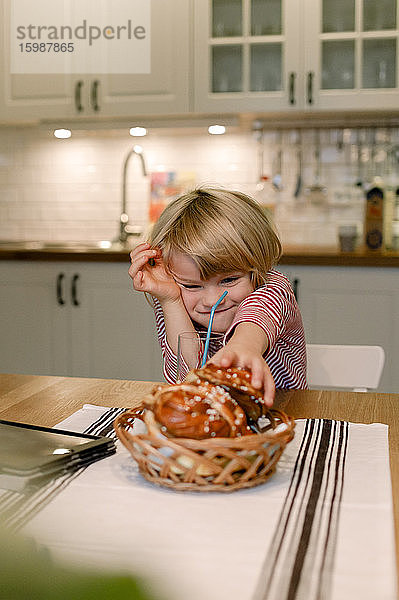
(71, 189)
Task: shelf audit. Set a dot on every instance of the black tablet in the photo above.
(30, 451)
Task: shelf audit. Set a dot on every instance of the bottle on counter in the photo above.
(379, 215)
(373, 223)
(389, 209)
(396, 209)
(395, 235)
(395, 223)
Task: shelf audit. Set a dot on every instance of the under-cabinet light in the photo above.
(62, 134)
(138, 131)
(216, 129)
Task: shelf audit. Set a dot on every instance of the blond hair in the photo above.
(222, 231)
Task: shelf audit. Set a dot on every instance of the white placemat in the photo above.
(320, 528)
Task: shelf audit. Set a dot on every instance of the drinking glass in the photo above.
(347, 235)
(190, 350)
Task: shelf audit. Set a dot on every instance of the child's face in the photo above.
(199, 296)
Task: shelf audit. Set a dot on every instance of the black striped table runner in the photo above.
(300, 560)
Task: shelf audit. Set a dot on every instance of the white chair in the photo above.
(355, 367)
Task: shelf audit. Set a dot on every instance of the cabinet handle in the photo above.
(310, 87)
(291, 88)
(74, 296)
(60, 295)
(94, 95)
(78, 95)
(295, 288)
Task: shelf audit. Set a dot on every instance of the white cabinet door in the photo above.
(29, 97)
(76, 319)
(34, 319)
(352, 305)
(165, 90)
(351, 55)
(247, 55)
(113, 327)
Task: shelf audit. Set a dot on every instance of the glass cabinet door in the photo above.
(251, 64)
(283, 55)
(352, 53)
(252, 53)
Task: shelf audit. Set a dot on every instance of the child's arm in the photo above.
(245, 349)
(156, 281)
(261, 320)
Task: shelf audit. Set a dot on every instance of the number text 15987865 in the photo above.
(46, 47)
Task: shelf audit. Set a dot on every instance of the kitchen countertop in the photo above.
(332, 256)
(92, 252)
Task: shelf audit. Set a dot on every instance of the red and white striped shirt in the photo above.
(274, 308)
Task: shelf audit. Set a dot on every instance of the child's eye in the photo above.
(228, 280)
(190, 287)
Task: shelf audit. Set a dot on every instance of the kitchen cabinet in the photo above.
(214, 56)
(351, 305)
(165, 90)
(247, 55)
(77, 319)
(273, 55)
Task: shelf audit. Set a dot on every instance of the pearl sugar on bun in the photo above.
(212, 402)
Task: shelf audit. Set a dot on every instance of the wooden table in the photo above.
(48, 400)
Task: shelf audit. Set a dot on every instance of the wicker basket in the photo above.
(216, 464)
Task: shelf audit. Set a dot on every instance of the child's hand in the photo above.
(237, 355)
(152, 279)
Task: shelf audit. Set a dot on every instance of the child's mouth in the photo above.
(221, 310)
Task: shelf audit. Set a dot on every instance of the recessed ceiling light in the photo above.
(62, 134)
(105, 244)
(138, 131)
(216, 129)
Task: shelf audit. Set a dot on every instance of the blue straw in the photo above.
(208, 333)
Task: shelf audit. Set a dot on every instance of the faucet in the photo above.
(125, 229)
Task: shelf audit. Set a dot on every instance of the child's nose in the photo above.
(212, 296)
